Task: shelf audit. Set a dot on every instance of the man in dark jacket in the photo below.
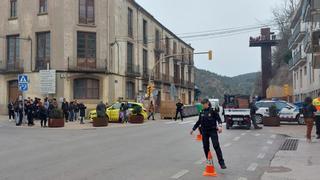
(11, 110)
(82, 109)
(179, 110)
(30, 113)
(253, 109)
(211, 125)
(65, 109)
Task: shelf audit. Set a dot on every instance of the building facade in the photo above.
(101, 50)
(305, 46)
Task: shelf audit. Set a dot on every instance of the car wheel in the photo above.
(300, 120)
(259, 119)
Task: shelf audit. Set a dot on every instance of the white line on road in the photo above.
(180, 174)
(186, 122)
(236, 138)
(270, 142)
(261, 155)
(200, 161)
(252, 167)
(242, 134)
(257, 134)
(172, 122)
(273, 136)
(248, 131)
(227, 145)
(242, 178)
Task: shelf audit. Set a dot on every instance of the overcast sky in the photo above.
(232, 55)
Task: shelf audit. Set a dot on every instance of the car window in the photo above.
(133, 106)
(116, 106)
(281, 105)
(264, 104)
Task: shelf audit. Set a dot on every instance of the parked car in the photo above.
(113, 112)
(287, 111)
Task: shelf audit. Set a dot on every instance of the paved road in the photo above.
(160, 150)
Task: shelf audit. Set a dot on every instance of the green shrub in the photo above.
(56, 114)
(273, 111)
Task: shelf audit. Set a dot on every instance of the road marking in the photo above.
(242, 178)
(248, 131)
(179, 174)
(270, 142)
(186, 122)
(252, 167)
(242, 134)
(236, 138)
(227, 145)
(273, 136)
(257, 134)
(265, 148)
(261, 155)
(172, 122)
(200, 161)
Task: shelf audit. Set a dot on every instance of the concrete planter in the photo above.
(271, 121)
(56, 123)
(100, 122)
(136, 119)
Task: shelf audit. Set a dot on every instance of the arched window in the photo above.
(86, 88)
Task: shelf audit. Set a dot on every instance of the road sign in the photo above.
(23, 87)
(23, 78)
(47, 81)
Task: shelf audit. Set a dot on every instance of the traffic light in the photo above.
(210, 55)
(149, 90)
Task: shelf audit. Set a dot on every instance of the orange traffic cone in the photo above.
(199, 137)
(210, 170)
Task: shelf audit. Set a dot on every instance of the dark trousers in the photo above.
(81, 120)
(181, 114)
(11, 114)
(318, 125)
(30, 118)
(20, 118)
(151, 114)
(215, 142)
(253, 119)
(66, 115)
(43, 122)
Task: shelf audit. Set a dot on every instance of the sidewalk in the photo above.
(302, 164)
(70, 125)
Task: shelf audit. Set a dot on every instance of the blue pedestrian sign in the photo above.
(23, 82)
(22, 78)
(23, 87)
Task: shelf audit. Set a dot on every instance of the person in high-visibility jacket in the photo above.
(316, 103)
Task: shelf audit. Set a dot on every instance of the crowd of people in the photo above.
(41, 110)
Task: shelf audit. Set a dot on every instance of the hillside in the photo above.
(214, 85)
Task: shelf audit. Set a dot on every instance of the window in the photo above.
(281, 105)
(86, 88)
(305, 70)
(13, 52)
(145, 61)
(86, 49)
(174, 48)
(13, 8)
(130, 57)
(130, 22)
(145, 32)
(43, 50)
(86, 12)
(116, 106)
(130, 90)
(43, 6)
(167, 45)
(182, 54)
(157, 43)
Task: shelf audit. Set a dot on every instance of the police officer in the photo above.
(210, 128)
(316, 103)
(253, 109)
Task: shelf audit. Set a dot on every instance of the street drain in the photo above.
(278, 169)
(289, 145)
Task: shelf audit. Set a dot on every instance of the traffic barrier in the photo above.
(210, 170)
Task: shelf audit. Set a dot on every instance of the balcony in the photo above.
(167, 79)
(297, 60)
(133, 70)
(41, 63)
(86, 65)
(15, 66)
(191, 85)
(297, 36)
(146, 74)
(316, 42)
(177, 80)
(307, 43)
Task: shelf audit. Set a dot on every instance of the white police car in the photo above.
(287, 111)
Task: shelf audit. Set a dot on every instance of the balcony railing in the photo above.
(298, 34)
(87, 65)
(133, 70)
(15, 66)
(41, 63)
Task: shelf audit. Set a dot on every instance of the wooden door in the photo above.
(13, 90)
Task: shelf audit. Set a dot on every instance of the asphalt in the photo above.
(153, 151)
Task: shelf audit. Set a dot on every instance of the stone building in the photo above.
(100, 49)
